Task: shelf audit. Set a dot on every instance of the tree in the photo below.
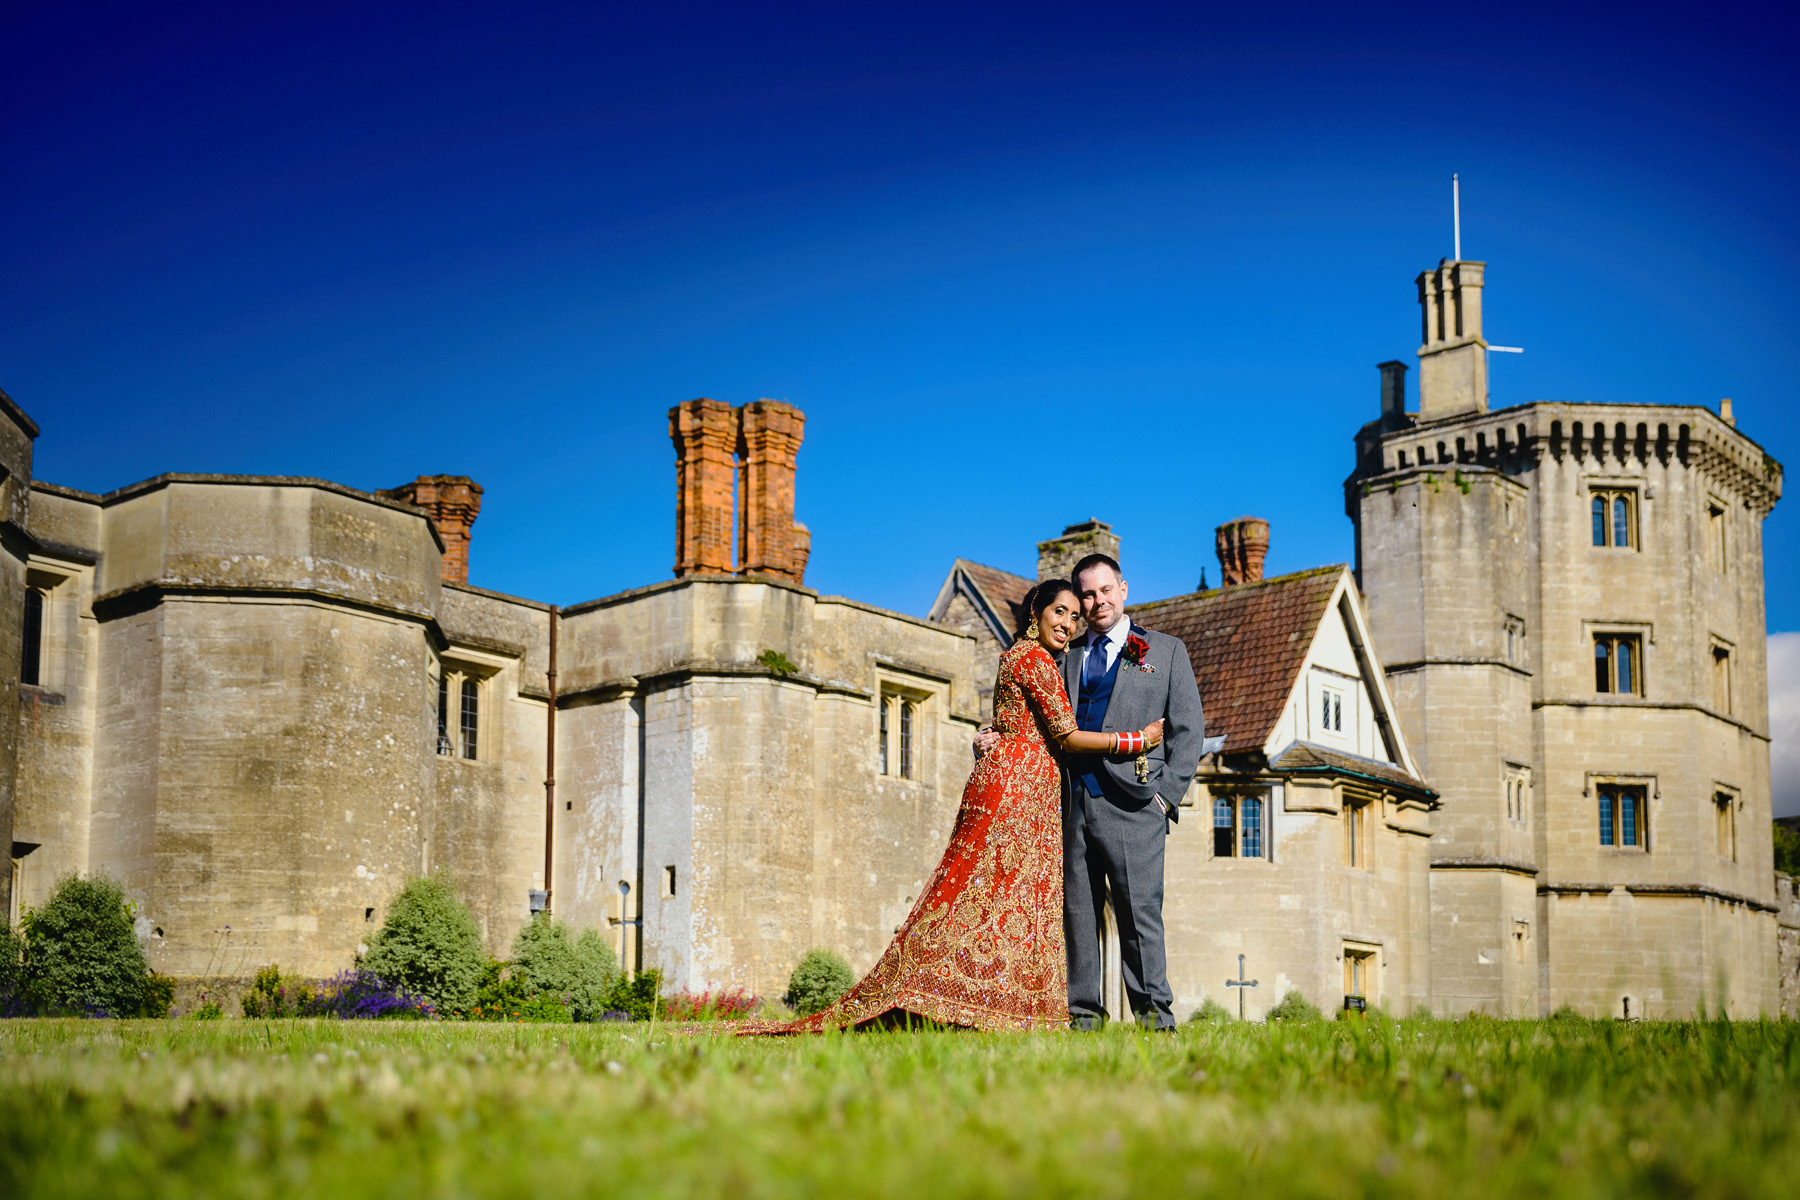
(430, 945)
(82, 953)
(596, 975)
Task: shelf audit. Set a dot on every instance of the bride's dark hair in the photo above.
(1038, 600)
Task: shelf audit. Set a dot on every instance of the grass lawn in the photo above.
(1415, 1108)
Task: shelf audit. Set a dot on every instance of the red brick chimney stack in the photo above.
(705, 433)
(753, 450)
(769, 442)
(1242, 545)
(453, 502)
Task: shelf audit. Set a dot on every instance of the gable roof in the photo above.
(1247, 644)
(998, 595)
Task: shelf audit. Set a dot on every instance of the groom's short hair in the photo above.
(1089, 563)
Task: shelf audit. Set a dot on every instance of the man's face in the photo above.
(1102, 597)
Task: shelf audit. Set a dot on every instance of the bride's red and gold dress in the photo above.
(983, 947)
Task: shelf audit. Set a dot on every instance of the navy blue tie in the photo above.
(1094, 669)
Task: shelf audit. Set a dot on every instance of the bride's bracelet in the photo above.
(1128, 743)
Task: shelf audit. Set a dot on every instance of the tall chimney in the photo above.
(1242, 545)
(1058, 556)
(769, 438)
(452, 502)
(1453, 356)
(705, 433)
(1393, 394)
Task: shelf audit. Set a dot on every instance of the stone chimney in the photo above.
(734, 483)
(452, 502)
(1058, 556)
(769, 439)
(1393, 394)
(705, 433)
(1242, 545)
(1453, 356)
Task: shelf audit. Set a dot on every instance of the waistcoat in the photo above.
(1090, 715)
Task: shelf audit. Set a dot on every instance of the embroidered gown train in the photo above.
(983, 947)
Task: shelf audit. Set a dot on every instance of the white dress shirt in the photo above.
(1111, 643)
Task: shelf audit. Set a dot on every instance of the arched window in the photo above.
(1252, 809)
(1599, 520)
(1621, 521)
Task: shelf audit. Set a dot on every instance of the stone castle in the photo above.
(1516, 759)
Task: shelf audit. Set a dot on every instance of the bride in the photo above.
(983, 947)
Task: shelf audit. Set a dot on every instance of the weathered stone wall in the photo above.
(759, 788)
(238, 720)
(1291, 911)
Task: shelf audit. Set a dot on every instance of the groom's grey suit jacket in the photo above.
(1161, 686)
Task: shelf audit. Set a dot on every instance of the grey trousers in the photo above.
(1104, 844)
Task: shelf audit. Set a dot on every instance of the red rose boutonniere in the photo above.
(1135, 649)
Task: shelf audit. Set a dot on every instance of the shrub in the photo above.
(1296, 1008)
(596, 975)
(1210, 1011)
(543, 957)
(638, 997)
(12, 970)
(82, 954)
(272, 994)
(429, 945)
(159, 996)
(818, 981)
(210, 1011)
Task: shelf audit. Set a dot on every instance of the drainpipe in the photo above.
(550, 763)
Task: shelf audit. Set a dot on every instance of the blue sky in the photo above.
(368, 242)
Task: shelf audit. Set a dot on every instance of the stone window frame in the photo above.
(1722, 657)
(1648, 822)
(1718, 532)
(50, 581)
(1634, 489)
(1512, 632)
(1233, 798)
(452, 669)
(1359, 812)
(895, 694)
(1728, 801)
(1645, 634)
(1515, 785)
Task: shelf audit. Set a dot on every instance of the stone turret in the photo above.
(1452, 354)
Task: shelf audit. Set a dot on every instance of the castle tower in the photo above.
(453, 502)
(1568, 599)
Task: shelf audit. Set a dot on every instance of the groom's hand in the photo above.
(985, 741)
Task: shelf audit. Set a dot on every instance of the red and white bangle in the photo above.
(1128, 743)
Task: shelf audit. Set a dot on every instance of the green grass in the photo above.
(1417, 1108)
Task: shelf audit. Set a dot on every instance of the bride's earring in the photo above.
(1031, 630)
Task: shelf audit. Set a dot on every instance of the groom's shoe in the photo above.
(1155, 1022)
(1086, 1023)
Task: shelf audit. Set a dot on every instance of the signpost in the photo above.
(1240, 982)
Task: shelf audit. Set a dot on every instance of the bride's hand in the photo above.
(1153, 734)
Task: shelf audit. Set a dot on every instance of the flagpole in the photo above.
(1456, 214)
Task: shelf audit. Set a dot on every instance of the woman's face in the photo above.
(1057, 625)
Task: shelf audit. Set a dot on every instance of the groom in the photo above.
(1122, 676)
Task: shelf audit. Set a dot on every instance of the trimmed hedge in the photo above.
(818, 981)
(430, 946)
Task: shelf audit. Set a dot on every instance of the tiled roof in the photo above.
(1004, 591)
(1305, 756)
(1247, 644)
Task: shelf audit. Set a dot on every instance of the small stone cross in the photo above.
(1240, 982)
